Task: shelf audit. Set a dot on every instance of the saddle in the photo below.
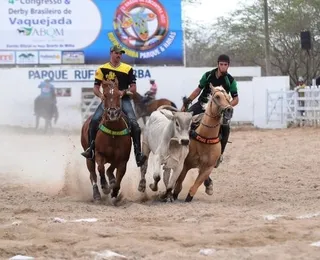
(147, 100)
(196, 121)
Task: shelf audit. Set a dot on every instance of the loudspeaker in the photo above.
(305, 38)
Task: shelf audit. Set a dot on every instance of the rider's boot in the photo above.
(89, 152)
(136, 133)
(225, 132)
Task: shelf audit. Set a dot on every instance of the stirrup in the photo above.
(84, 154)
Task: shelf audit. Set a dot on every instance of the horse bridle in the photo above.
(221, 109)
(106, 110)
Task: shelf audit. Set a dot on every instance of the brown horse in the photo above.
(144, 110)
(113, 143)
(205, 147)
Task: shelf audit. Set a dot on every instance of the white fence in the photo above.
(262, 101)
(294, 107)
(19, 89)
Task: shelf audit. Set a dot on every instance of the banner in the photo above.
(82, 31)
(72, 74)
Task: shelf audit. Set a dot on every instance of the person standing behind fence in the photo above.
(301, 94)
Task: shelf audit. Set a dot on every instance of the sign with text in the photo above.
(50, 57)
(75, 74)
(150, 31)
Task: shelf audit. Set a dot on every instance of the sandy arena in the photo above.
(265, 173)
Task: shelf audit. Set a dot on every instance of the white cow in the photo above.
(166, 135)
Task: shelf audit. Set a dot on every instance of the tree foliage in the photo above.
(241, 35)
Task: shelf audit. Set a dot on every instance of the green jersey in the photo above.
(226, 81)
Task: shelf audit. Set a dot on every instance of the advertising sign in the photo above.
(73, 57)
(150, 31)
(7, 57)
(50, 57)
(27, 57)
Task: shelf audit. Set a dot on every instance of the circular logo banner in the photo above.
(141, 25)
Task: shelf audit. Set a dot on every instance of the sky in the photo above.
(210, 10)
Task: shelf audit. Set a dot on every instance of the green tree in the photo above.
(241, 35)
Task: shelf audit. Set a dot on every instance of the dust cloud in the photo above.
(267, 181)
(51, 163)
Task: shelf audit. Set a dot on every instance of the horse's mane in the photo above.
(205, 105)
(138, 95)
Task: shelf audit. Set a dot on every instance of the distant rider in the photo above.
(151, 93)
(47, 91)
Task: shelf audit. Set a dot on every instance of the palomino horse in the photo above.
(144, 110)
(112, 143)
(205, 147)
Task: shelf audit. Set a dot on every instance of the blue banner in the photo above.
(82, 31)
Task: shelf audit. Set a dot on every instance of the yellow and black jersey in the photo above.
(124, 74)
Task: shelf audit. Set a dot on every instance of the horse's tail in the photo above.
(168, 107)
(173, 105)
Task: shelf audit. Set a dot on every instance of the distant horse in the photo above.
(45, 108)
(205, 146)
(112, 143)
(144, 110)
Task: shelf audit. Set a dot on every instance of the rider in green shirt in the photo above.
(217, 77)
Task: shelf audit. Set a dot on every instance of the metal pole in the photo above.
(267, 38)
(308, 69)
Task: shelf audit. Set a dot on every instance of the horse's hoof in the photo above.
(105, 190)
(96, 193)
(153, 187)
(189, 198)
(166, 197)
(163, 197)
(112, 183)
(209, 190)
(142, 186)
(116, 200)
(96, 197)
(170, 198)
(175, 196)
